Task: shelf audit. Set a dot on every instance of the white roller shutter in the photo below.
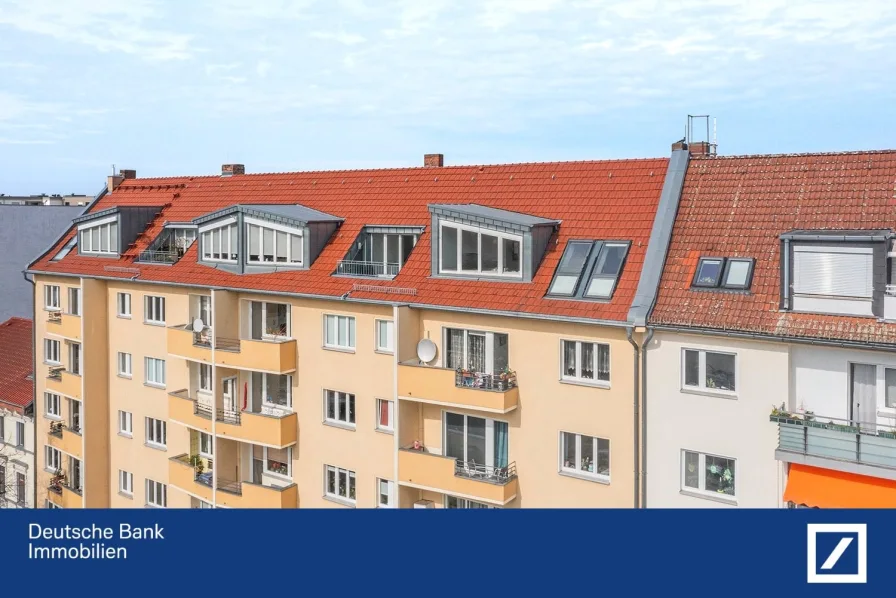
(833, 271)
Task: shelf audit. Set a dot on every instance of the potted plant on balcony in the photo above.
(506, 379)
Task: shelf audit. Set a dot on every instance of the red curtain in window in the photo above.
(384, 414)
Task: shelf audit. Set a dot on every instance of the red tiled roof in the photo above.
(614, 199)
(738, 207)
(16, 388)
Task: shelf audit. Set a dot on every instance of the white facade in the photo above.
(715, 423)
(16, 459)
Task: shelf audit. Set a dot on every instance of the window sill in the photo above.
(125, 495)
(585, 477)
(345, 502)
(156, 447)
(151, 506)
(126, 435)
(718, 394)
(338, 349)
(278, 476)
(343, 426)
(389, 431)
(154, 385)
(151, 323)
(125, 376)
(575, 382)
(51, 417)
(123, 317)
(722, 498)
(52, 363)
(384, 352)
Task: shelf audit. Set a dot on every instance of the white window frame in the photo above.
(74, 301)
(154, 492)
(52, 351)
(154, 366)
(154, 429)
(502, 237)
(221, 238)
(53, 405)
(208, 379)
(390, 427)
(489, 356)
(275, 228)
(577, 378)
(464, 503)
(126, 423)
(73, 350)
(265, 394)
(701, 372)
(20, 434)
(52, 301)
(125, 483)
(577, 471)
(350, 332)
(264, 319)
(389, 345)
(210, 445)
(350, 408)
(276, 473)
(153, 309)
(349, 476)
(390, 494)
(52, 459)
(123, 305)
(125, 365)
(52, 505)
(104, 228)
(701, 468)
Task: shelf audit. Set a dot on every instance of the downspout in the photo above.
(637, 420)
(644, 347)
(33, 385)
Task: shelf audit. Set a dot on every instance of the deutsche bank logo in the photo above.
(837, 553)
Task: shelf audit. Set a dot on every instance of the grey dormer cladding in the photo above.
(535, 231)
(392, 230)
(316, 227)
(132, 221)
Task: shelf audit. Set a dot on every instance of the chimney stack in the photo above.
(433, 160)
(115, 180)
(232, 169)
(701, 148)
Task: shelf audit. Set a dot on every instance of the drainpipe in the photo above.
(214, 372)
(637, 421)
(34, 384)
(644, 347)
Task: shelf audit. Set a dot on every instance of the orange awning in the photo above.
(829, 489)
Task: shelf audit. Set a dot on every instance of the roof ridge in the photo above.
(797, 154)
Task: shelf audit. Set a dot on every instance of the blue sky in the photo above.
(167, 87)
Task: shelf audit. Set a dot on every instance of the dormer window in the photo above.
(171, 244)
(270, 244)
(110, 232)
(220, 243)
(379, 251)
(589, 269)
(99, 237)
(472, 250)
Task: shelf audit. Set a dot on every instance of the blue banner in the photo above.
(802, 552)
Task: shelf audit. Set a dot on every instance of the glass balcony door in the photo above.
(230, 397)
(268, 320)
(477, 351)
(476, 442)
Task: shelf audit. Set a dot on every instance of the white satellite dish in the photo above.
(198, 326)
(426, 350)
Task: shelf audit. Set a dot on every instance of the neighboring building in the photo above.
(45, 200)
(16, 415)
(777, 291)
(24, 233)
(412, 337)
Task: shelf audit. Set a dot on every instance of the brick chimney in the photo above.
(679, 145)
(701, 148)
(232, 169)
(112, 182)
(433, 160)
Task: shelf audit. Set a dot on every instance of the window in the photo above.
(478, 445)
(585, 455)
(155, 371)
(205, 377)
(51, 297)
(206, 446)
(124, 364)
(606, 270)
(709, 272)
(74, 301)
(74, 416)
(566, 279)
(99, 238)
(52, 351)
(385, 494)
(727, 273)
(708, 370)
(51, 404)
(20, 434)
(124, 305)
(269, 320)
(707, 474)
(278, 461)
(125, 482)
(272, 390)
(125, 423)
(340, 484)
(833, 271)
(339, 332)
(384, 415)
(53, 459)
(2, 433)
(274, 245)
(738, 274)
(476, 351)
(585, 362)
(52, 505)
(340, 407)
(154, 309)
(385, 336)
(220, 244)
(20, 488)
(156, 432)
(453, 502)
(156, 494)
(384, 254)
(603, 260)
(890, 388)
(74, 358)
(479, 251)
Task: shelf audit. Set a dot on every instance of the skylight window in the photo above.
(599, 262)
(727, 273)
(738, 274)
(65, 249)
(709, 272)
(606, 270)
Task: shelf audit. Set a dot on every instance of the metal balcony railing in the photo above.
(54, 316)
(371, 269)
(485, 473)
(158, 257)
(838, 439)
(202, 410)
(228, 416)
(498, 382)
(55, 373)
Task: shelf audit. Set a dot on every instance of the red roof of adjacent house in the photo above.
(614, 199)
(16, 368)
(738, 207)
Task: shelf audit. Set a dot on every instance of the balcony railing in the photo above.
(485, 473)
(55, 373)
(227, 344)
(158, 257)
(498, 382)
(228, 416)
(54, 316)
(367, 269)
(56, 429)
(230, 486)
(202, 410)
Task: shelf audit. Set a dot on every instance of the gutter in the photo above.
(637, 416)
(34, 384)
(644, 347)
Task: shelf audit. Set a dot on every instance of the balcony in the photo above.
(258, 428)
(184, 342)
(189, 411)
(247, 495)
(61, 381)
(854, 447)
(361, 269)
(494, 393)
(890, 301)
(422, 469)
(65, 439)
(190, 475)
(276, 356)
(62, 494)
(159, 257)
(64, 325)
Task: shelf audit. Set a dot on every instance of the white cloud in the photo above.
(263, 68)
(347, 39)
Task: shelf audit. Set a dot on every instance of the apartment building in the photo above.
(435, 337)
(17, 461)
(771, 375)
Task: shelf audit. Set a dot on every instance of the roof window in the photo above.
(726, 273)
(598, 262)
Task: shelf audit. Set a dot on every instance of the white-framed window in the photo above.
(52, 505)
(339, 332)
(53, 459)
(124, 365)
(465, 249)
(20, 488)
(583, 361)
(125, 423)
(153, 309)
(20, 434)
(453, 502)
(339, 483)
(99, 238)
(385, 412)
(156, 494)
(155, 371)
(385, 494)
(389, 250)
(274, 390)
(125, 482)
(52, 351)
(273, 244)
(156, 432)
(709, 371)
(269, 320)
(51, 297)
(221, 244)
(74, 415)
(872, 392)
(74, 301)
(74, 358)
(52, 402)
(708, 474)
(205, 377)
(206, 446)
(123, 302)
(476, 351)
(385, 336)
(278, 461)
(339, 407)
(585, 456)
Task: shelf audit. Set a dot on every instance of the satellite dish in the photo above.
(426, 350)
(198, 326)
